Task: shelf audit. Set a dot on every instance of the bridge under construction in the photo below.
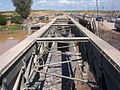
(62, 55)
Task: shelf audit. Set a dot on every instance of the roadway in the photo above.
(109, 25)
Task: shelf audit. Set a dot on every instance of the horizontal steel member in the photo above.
(62, 76)
(58, 39)
(63, 47)
(52, 64)
(63, 21)
(63, 25)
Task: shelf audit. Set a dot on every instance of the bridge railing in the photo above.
(103, 59)
(12, 61)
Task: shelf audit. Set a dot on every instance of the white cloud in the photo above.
(62, 3)
(55, 2)
(65, 2)
(42, 2)
(71, 4)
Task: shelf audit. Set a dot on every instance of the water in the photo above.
(9, 40)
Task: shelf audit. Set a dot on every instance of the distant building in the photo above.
(1, 13)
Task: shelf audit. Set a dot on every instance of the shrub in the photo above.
(3, 20)
(16, 19)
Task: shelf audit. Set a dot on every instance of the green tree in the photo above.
(16, 19)
(3, 20)
(23, 7)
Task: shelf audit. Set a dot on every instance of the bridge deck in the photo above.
(36, 55)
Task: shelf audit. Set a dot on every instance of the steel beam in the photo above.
(62, 76)
(51, 64)
(18, 81)
(63, 25)
(65, 54)
(59, 39)
(63, 47)
(63, 21)
(27, 72)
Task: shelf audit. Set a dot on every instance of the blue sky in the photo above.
(6, 5)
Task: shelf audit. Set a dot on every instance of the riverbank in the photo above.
(13, 27)
(9, 40)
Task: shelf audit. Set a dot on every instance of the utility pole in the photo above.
(97, 7)
(97, 16)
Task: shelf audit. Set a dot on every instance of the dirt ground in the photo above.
(110, 36)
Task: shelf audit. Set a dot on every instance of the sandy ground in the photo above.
(110, 35)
